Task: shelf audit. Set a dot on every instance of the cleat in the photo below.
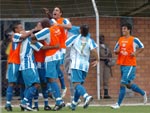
(63, 92)
(47, 108)
(116, 106)
(35, 108)
(22, 109)
(145, 98)
(25, 106)
(8, 108)
(87, 101)
(58, 107)
(71, 106)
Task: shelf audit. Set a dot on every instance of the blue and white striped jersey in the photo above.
(26, 53)
(15, 40)
(75, 30)
(136, 44)
(44, 34)
(65, 21)
(80, 51)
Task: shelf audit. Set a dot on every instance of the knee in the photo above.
(122, 85)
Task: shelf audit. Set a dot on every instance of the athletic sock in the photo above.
(36, 103)
(61, 79)
(136, 88)
(45, 95)
(9, 94)
(56, 92)
(121, 94)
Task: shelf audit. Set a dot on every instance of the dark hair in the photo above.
(45, 23)
(84, 29)
(15, 25)
(101, 38)
(59, 9)
(128, 25)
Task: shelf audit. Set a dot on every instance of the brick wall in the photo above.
(110, 27)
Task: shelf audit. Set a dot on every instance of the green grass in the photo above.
(97, 109)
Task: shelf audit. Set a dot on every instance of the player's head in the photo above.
(101, 39)
(84, 29)
(126, 29)
(57, 12)
(45, 23)
(39, 26)
(17, 27)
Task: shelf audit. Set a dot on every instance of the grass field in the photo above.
(95, 109)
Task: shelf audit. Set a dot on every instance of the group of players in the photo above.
(36, 59)
(39, 57)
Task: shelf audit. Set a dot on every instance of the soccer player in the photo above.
(64, 24)
(39, 59)
(81, 46)
(51, 35)
(127, 48)
(14, 62)
(75, 30)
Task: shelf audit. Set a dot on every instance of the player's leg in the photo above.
(61, 72)
(44, 88)
(31, 79)
(52, 75)
(126, 71)
(20, 83)
(135, 87)
(12, 72)
(78, 77)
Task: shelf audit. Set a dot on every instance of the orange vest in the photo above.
(63, 36)
(126, 48)
(54, 40)
(14, 55)
(39, 55)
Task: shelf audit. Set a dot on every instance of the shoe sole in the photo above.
(87, 104)
(26, 107)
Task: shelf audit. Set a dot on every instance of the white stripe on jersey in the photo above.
(56, 56)
(44, 34)
(16, 37)
(26, 54)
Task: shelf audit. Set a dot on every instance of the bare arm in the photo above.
(26, 34)
(66, 26)
(50, 47)
(137, 52)
(95, 54)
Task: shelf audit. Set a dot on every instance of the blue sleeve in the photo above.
(43, 34)
(37, 46)
(70, 40)
(17, 37)
(116, 46)
(66, 21)
(138, 43)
